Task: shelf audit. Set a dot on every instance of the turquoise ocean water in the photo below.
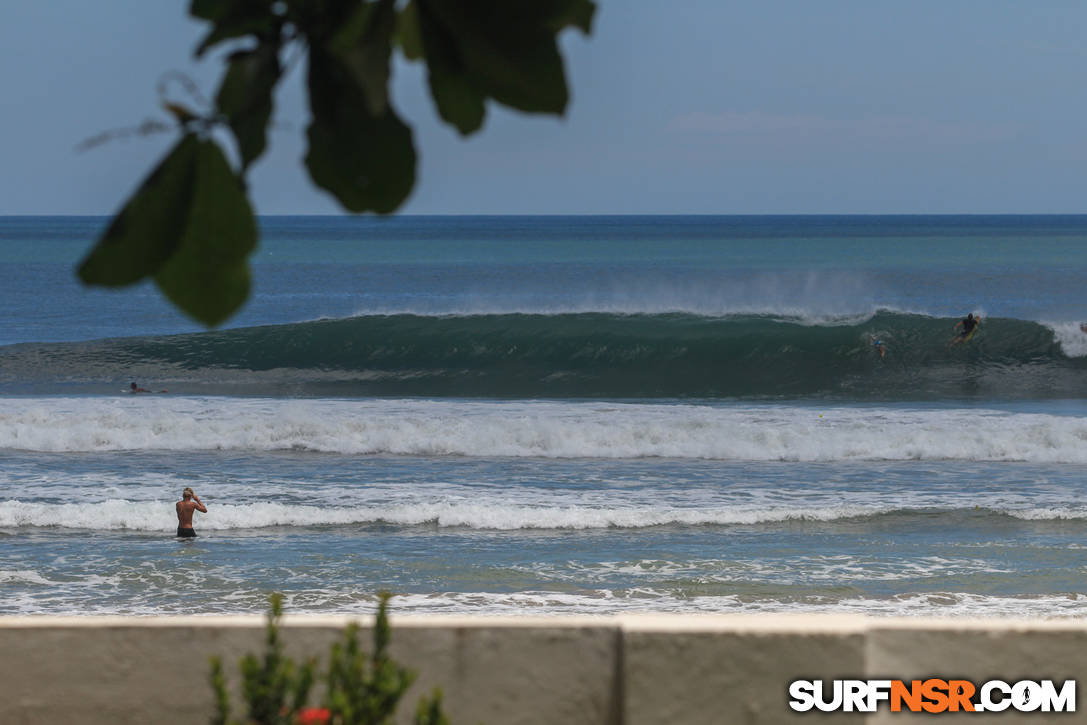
(558, 415)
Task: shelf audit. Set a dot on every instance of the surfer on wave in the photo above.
(968, 324)
(880, 347)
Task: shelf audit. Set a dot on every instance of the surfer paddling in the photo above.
(189, 502)
(968, 325)
(133, 388)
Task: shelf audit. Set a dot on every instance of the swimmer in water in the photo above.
(189, 502)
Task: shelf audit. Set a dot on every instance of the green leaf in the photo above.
(366, 160)
(363, 44)
(208, 9)
(459, 100)
(147, 230)
(245, 98)
(207, 275)
(429, 710)
(408, 33)
(189, 225)
(578, 13)
(222, 697)
(500, 49)
(234, 19)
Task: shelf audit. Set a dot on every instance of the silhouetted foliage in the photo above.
(190, 226)
(362, 690)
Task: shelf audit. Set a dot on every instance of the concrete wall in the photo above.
(626, 670)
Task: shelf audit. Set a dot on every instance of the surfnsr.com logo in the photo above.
(932, 695)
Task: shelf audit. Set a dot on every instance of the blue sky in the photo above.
(694, 106)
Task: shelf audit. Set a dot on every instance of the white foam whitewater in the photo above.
(540, 429)
(1071, 337)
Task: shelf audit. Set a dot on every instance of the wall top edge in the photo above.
(705, 623)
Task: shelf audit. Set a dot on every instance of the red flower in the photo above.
(313, 716)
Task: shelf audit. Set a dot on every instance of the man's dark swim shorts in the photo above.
(185, 533)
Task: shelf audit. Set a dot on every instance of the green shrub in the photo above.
(361, 690)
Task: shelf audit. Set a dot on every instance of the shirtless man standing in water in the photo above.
(189, 502)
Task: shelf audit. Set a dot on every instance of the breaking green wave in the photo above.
(575, 356)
